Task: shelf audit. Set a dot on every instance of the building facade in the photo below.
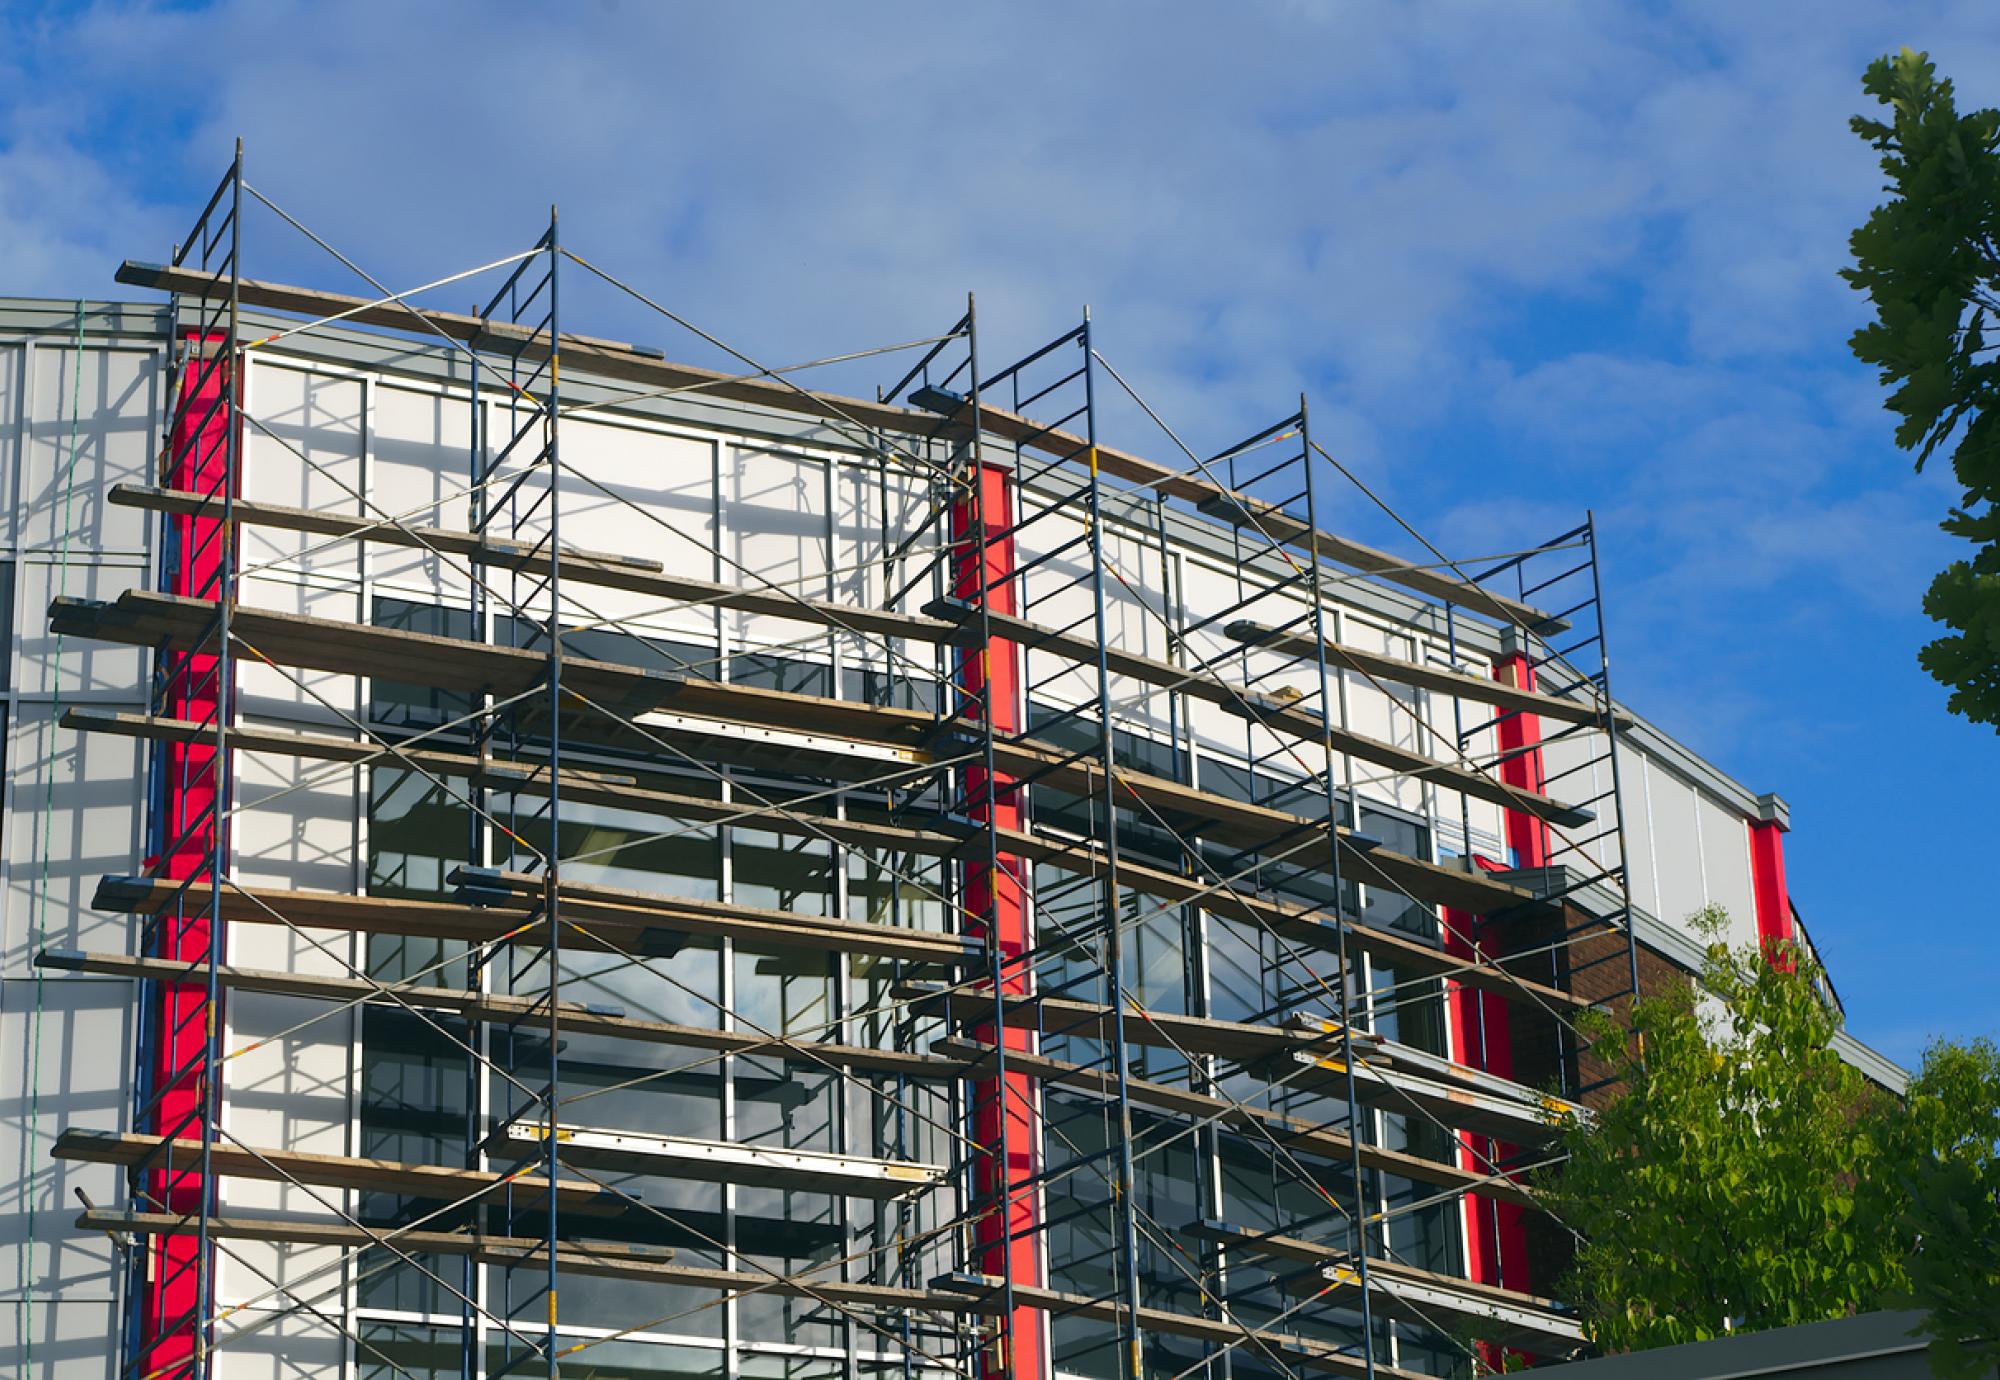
(526, 857)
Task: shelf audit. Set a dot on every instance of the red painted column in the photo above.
(1767, 870)
(1496, 1233)
(1527, 837)
(1004, 1109)
(198, 460)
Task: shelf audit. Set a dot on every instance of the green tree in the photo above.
(1731, 1185)
(1749, 1178)
(1929, 260)
(1945, 1152)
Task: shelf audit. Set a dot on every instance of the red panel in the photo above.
(1004, 1110)
(1496, 1233)
(1482, 1038)
(1527, 837)
(199, 454)
(1767, 881)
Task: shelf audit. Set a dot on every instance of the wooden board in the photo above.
(1411, 1085)
(1292, 1132)
(585, 925)
(621, 362)
(143, 618)
(632, 574)
(604, 1260)
(1270, 1348)
(1412, 1295)
(574, 1017)
(1439, 678)
(1316, 1253)
(434, 1181)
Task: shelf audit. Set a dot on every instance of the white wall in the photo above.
(70, 426)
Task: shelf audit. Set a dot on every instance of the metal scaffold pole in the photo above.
(1350, 984)
(552, 882)
(1111, 909)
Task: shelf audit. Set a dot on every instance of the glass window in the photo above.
(403, 704)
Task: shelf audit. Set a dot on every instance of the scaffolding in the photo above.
(1122, 1023)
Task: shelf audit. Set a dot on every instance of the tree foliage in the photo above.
(1749, 1178)
(1727, 1188)
(1929, 260)
(1945, 1151)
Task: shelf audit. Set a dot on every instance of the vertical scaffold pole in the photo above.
(552, 874)
(1125, 1207)
(1611, 731)
(1350, 985)
(1006, 1120)
(179, 1089)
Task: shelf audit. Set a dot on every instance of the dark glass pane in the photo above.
(403, 704)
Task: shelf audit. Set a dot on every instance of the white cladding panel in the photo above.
(75, 818)
(13, 404)
(92, 423)
(1381, 709)
(70, 1336)
(63, 1046)
(629, 491)
(878, 513)
(290, 1059)
(1676, 845)
(419, 470)
(321, 698)
(1060, 594)
(305, 450)
(297, 1346)
(1578, 769)
(1725, 864)
(288, 1088)
(75, 667)
(1642, 875)
(776, 531)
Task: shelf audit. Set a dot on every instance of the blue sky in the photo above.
(1525, 259)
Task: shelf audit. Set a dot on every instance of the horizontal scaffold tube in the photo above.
(576, 1018)
(623, 363)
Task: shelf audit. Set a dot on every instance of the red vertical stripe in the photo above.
(1482, 1038)
(1007, 1241)
(1767, 881)
(199, 456)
